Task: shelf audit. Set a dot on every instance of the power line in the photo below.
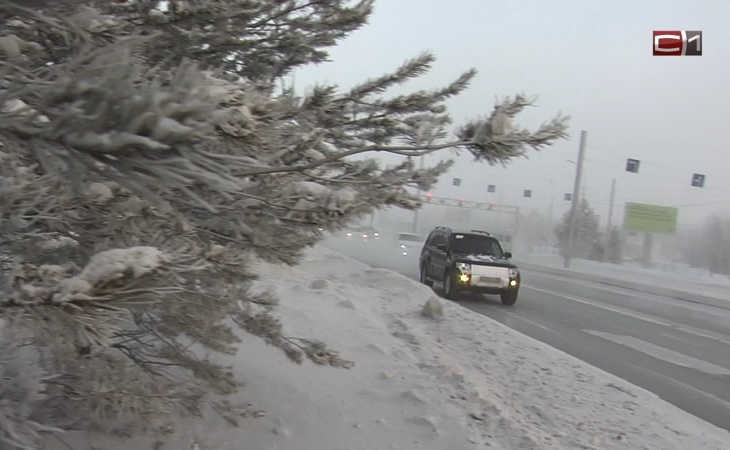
(719, 202)
(720, 188)
(652, 163)
(685, 189)
(673, 169)
(620, 169)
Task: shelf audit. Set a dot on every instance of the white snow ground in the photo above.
(460, 382)
(675, 276)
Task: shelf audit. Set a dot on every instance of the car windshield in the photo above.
(409, 237)
(474, 244)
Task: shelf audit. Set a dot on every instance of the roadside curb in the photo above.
(676, 294)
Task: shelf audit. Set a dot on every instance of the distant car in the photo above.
(363, 233)
(409, 243)
(471, 261)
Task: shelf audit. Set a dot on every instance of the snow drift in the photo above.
(424, 379)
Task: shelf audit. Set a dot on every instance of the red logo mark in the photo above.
(677, 43)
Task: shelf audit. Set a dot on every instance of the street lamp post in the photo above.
(609, 222)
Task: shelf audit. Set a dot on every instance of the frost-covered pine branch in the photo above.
(149, 157)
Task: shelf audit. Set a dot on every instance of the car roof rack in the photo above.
(482, 231)
(442, 228)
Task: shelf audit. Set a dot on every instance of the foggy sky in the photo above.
(590, 60)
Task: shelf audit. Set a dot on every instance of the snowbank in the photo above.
(460, 382)
(677, 275)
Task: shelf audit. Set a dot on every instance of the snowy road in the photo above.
(677, 350)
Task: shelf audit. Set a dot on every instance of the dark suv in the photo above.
(469, 261)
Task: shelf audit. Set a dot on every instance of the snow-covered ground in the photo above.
(459, 382)
(674, 276)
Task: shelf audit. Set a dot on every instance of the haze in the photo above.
(590, 60)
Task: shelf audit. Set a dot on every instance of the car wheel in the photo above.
(424, 278)
(450, 291)
(509, 298)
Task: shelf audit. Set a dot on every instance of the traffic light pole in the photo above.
(576, 200)
(609, 223)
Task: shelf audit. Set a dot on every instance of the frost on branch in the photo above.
(21, 391)
(132, 263)
(107, 275)
(11, 46)
(496, 140)
(149, 157)
(312, 197)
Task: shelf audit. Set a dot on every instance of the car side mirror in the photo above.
(441, 247)
(508, 255)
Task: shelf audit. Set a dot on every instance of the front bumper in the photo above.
(467, 284)
(487, 279)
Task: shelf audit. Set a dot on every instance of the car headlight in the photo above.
(402, 246)
(464, 267)
(514, 273)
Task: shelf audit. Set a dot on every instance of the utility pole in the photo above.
(609, 224)
(576, 198)
(610, 207)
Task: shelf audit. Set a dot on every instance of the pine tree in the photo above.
(587, 243)
(532, 230)
(716, 244)
(614, 249)
(149, 157)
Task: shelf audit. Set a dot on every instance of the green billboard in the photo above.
(650, 218)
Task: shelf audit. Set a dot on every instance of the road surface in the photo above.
(678, 350)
